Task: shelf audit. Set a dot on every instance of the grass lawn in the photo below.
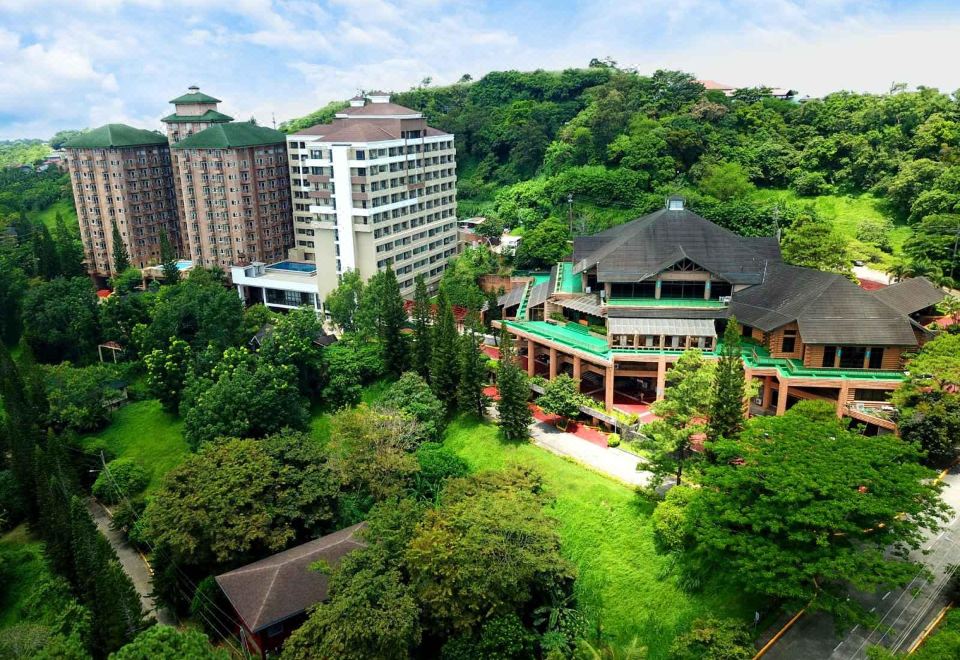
(48, 216)
(606, 532)
(23, 556)
(144, 432)
(846, 212)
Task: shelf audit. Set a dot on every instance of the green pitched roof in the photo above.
(195, 97)
(115, 135)
(235, 134)
(209, 115)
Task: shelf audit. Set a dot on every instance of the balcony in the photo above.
(686, 303)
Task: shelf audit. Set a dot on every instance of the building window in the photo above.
(361, 154)
(876, 358)
(829, 356)
(871, 395)
(789, 341)
(852, 357)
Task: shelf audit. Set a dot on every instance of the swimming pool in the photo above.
(295, 266)
(184, 264)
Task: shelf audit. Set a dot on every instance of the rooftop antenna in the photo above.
(273, 116)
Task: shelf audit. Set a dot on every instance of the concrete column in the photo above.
(782, 397)
(531, 358)
(264, 292)
(842, 399)
(661, 377)
(576, 367)
(608, 388)
(553, 363)
(706, 290)
(767, 392)
(656, 293)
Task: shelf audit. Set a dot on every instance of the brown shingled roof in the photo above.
(377, 109)
(283, 585)
(368, 130)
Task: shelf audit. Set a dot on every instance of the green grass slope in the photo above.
(606, 531)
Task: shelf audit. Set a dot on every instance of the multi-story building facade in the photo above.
(235, 193)
(375, 188)
(633, 298)
(122, 176)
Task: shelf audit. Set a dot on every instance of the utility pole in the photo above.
(570, 212)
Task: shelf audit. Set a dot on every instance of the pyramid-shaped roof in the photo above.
(115, 135)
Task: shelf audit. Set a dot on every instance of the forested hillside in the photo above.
(618, 142)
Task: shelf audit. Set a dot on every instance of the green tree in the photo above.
(121, 258)
(247, 400)
(120, 478)
(714, 639)
(168, 259)
(671, 525)
(420, 352)
(167, 371)
(381, 314)
(932, 423)
(343, 374)
(437, 464)
(514, 413)
(343, 302)
(725, 181)
(729, 387)
(473, 371)
(544, 245)
(682, 413)
(168, 642)
(800, 508)
(444, 363)
(812, 242)
(411, 395)
(13, 288)
(69, 250)
(45, 250)
(61, 320)
(561, 396)
(487, 550)
(292, 343)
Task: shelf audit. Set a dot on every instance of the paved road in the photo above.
(133, 564)
(614, 463)
(903, 613)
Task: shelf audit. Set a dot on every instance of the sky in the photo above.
(83, 63)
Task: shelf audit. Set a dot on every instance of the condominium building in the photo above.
(122, 176)
(620, 313)
(375, 188)
(235, 194)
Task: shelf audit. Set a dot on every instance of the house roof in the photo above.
(588, 304)
(229, 135)
(649, 326)
(911, 295)
(828, 308)
(283, 585)
(512, 297)
(195, 97)
(115, 135)
(368, 130)
(377, 109)
(209, 115)
(643, 247)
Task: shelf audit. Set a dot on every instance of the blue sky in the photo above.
(76, 63)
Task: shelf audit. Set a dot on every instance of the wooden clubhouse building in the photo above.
(634, 297)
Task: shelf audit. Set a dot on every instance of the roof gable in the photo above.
(208, 116)
(195, 97)
(910, 295)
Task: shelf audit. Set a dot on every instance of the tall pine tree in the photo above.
(473, 370)
(729, 387)
(171, 274)
(392, 317)
(69, 250)
(45, 251)
(493, 312)
(444, 363)
(515, 415)
(121, 258)
(420, 357)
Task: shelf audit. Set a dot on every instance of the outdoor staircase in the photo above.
(522, 307)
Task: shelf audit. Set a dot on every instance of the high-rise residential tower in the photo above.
(122, 176)
(375, 188)
(235, 194)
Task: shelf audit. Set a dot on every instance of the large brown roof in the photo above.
(378, 109)
(911, 295)
(283, 585)
(368, 130)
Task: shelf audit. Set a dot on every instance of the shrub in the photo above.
(437, 464)
(670, 532)
(809, 184)
(123, 475)
(613, 440)
(714, 639)
(412, 396)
